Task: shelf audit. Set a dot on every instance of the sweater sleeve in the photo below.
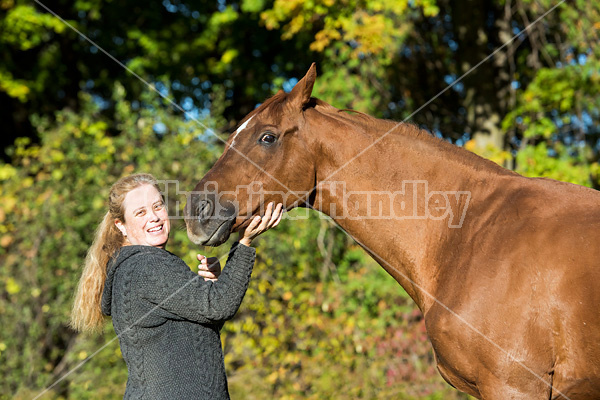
(171, 285)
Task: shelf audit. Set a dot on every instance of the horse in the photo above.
(504, 268)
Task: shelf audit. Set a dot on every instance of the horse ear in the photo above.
(300, 94)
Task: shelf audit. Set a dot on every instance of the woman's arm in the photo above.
(178, 290)
(172, 286)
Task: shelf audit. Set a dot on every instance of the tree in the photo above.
(209, 56)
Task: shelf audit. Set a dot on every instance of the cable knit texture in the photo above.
(168, 321)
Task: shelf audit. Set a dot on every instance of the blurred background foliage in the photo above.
(321, 320)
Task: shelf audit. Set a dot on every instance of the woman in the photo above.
(166, 317)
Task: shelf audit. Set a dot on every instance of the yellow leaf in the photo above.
(470, 145)
(7, 172)
(27, 182)
(272, 378)
(105, 142)
(5, 241)
(12, 287)
(57, 174)
(98, 203)
(228, 56)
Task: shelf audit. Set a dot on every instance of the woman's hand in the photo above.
(209, 268)
(261, 224)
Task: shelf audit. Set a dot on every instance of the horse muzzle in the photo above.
(209, 220)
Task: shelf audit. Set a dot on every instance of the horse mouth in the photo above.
(218, 236)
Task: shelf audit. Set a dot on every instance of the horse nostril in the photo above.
(203, 209)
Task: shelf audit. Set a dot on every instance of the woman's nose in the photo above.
(154, 216)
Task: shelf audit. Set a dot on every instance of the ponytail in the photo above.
(86, 314)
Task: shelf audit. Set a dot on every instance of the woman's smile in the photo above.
(156, 229)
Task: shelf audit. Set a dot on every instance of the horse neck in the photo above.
(390, 199)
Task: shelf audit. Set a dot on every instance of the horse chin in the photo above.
(216, 238)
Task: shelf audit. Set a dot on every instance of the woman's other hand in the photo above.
(209, 268)
(259, 224)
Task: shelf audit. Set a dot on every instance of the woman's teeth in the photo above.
(156, 229)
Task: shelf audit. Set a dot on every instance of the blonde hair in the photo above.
(86, 314)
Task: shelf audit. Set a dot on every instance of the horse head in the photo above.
(266, 159)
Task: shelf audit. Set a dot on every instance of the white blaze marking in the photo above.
(241, 128)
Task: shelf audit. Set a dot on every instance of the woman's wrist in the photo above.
(245, 241)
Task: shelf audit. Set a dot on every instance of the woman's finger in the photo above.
(266, 218)
(202, 265)
(278, 218)
(276, 215)
(255, 222)
(207, 274)
(211, 278)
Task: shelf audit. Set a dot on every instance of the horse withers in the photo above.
(505, 269)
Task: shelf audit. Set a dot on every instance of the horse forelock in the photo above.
(273, 108)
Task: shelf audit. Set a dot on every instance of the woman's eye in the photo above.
(140, 213)
(268, 138)
(159, 206)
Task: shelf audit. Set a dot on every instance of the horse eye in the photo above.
(268, 138)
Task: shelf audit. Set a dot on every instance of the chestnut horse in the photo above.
(505, 269)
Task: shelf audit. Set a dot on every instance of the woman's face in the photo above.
(146, 218)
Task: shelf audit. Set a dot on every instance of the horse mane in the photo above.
(372, 124)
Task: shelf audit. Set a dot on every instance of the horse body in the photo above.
(504, 268)
(500, 293)
(527, 280)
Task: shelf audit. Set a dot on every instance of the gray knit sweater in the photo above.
(168, 321)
